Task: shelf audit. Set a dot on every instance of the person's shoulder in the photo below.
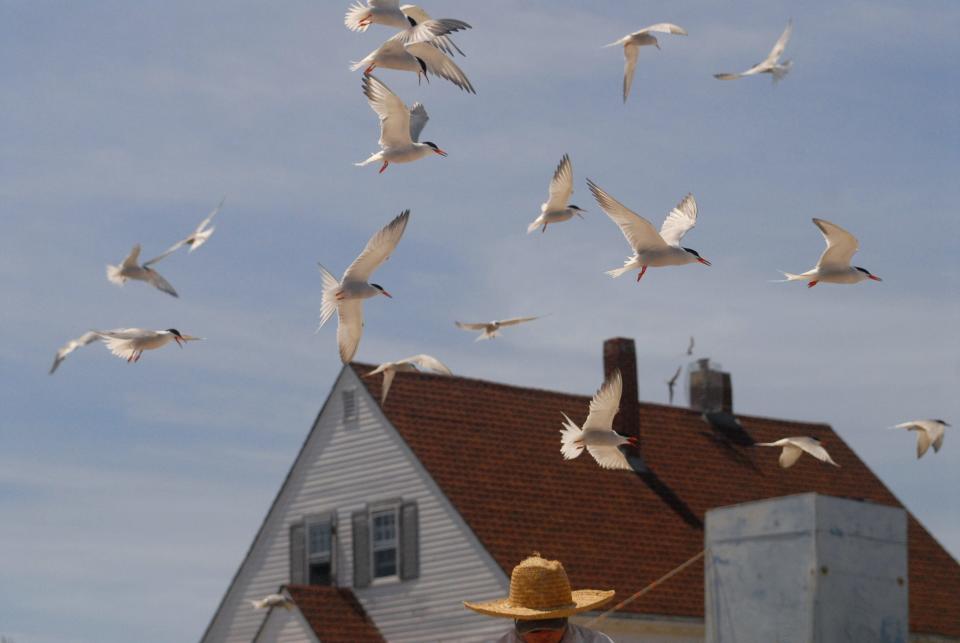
(584, 635)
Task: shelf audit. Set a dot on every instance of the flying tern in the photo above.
(413, 50)
(672, 382)
(597, 434)
(631, 48)
(771, 64)
(393, 14)
(131, 269)
(650, 248)
(72, 345)
(196, 239)
(557, 207)
(272, 600)
(793, 448)
(834, 264)
(406, 365)
(492, 329)
(346, 295)
(400, 127)
(928, 432)
(129, 343)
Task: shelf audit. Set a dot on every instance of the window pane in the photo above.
(384, 529)
(318, 542)
(385, 563)
(320, 574)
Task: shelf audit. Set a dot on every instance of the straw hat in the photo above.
(539, 589)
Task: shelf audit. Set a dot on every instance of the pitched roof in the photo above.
(334, 613)
(494, 450)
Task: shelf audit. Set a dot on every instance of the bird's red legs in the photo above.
(640, 276)
(812, 283)
(365, 22)
(383, 167)
(137, 358)
(369, 70)
(544, 228)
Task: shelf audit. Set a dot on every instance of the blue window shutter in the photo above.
(298, 554)
(409, 541)
(361, 548)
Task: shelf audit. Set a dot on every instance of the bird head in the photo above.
(817, 440)
(576, 208)
(434, 147)
(868, 274)
(941, 422)
(382, 291)
(177, 337)
(697, 255)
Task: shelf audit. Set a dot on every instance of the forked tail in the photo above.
(618, 272)
(375, 157)
(536, 224)
(571, 439)
(790, 277)
(113, 274)
(328, 301)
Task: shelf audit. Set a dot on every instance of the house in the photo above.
(392, 515)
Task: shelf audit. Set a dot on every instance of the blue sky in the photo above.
(130, 493)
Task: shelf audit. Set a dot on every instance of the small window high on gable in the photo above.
(348, 398)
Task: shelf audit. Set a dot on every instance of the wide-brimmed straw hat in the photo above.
(540, 589)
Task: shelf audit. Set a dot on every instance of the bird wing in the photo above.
(630, 53)
(429, 30)
(936, 434)
(197, 239)
(418, 120)
(513, 321)
(470, 325)
(639, 232)
(789, 455)
(441, 64)
(378, 249)
(605, 404)
(418, 15)
(71, 346)
(394, 115)
(609, 457)
(350, 328)
(841, 245)
(923, 441)
(157, 281)
(132, 259)
(673, 380)
(166, 253)
(125, 333)
(203, 225)
(663, 27)
(359, 10)
(428, 362)
(815, 450)
(780, 45)
(561, 186)
(122, 342)
(388, 376)
(680, 221)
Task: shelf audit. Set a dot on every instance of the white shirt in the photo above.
(574, 634)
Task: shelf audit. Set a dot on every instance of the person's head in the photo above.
(540, 600)
(545, 630)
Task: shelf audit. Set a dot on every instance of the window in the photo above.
(319, 559)
(384, 541)
(349, 399)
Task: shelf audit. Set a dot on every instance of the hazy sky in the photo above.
(129, 494)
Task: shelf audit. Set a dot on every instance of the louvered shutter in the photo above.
(361, 549)
(298, 554)
(409, 541)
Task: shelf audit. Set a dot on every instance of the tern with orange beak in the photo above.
(129, 343)
(558, 207)
(391, 13)
(597, 435)
(346, 295)
(651, 249)
(400, 127)
(834, 264)
(631, 48)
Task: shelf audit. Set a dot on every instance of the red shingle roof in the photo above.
(495, 451)
(335, 614)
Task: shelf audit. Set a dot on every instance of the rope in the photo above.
(673, 572)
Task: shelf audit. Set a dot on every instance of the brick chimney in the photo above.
(621, 353)
(711, 389)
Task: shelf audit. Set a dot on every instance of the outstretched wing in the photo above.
(609, 457)
(605, 404)
(630, 53)
(639, 232)
(815, 450)
(470, 325)
(680, 221)
(71, 346)
(664, 27)
(841, 245)
(377, 250)
(428, 362)
(429, 30)
(561, 186)
(132, 259)
(780, 45)
(418, 15)
(158, 282)
(513, 321)
(418, 120)
(790, 455)
(394, 115)
(440, 64)
(349, 328)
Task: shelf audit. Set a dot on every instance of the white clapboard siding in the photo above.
(344, 465)
(282, 626)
